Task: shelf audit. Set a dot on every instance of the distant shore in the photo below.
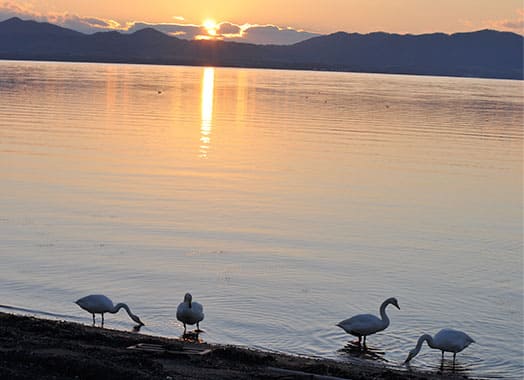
(479, 54)
(32, 348)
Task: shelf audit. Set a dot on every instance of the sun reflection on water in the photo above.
(208, 80)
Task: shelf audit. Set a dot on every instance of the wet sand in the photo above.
(32, 348)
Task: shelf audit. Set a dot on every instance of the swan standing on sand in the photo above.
(189, 312)
(366, 324)
(445, 340)
(100, 304)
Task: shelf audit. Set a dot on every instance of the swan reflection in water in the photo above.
(356, 350)
(192, 336)
(445, 365)
(450, 366)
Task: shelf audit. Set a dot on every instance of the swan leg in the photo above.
(454, 355)
(184, 328)
(442, 355)
(102, 319)
(364, 341)
(93, 319)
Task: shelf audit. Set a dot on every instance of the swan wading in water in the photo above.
(100, 304)
(445, 340)
(362, 325)
(189, 312)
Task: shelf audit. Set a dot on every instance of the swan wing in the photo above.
(452, 340)
(190, 315)
(198, 310)
(181, 311)
(362, 324)
(95, 303)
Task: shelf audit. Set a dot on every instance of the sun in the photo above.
(211, 27)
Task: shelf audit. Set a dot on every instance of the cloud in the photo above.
(272, 34)
(514, 25)
(226, 28)
(86, 24)
(10, 9)
(227, 31)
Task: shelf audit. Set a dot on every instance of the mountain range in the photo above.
(485, 53)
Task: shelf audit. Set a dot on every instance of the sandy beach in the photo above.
(32, 348)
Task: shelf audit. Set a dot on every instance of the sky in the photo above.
(273, 21)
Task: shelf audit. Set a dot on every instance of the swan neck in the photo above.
(421, 340)
(383, 315)
(122, 306)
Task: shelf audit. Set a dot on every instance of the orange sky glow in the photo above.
(315, 16)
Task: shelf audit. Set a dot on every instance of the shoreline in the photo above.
(34, 348)
(252, 67)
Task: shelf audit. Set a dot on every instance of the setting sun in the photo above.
(211, 27)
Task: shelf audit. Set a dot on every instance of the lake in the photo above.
(284, 201)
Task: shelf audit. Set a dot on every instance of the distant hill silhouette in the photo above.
(485, 53)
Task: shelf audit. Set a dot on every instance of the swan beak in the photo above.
(410, 356)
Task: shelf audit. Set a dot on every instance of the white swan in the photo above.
(445, 340)
(100, 304)
(189, 312)
(366, 324)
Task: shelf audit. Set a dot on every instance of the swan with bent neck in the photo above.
(362, 325)
(100, 304)
(446, 340)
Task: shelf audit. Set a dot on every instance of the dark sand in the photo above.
(32, 348)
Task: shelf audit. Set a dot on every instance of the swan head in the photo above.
(393, 301)
(187, 299)
(411, 355)
(137, 320)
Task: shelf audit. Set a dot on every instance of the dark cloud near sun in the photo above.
(255, 34)
(228, 28)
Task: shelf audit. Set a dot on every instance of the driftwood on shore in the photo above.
(32, 348)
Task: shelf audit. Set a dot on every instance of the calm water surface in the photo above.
(285, 201)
